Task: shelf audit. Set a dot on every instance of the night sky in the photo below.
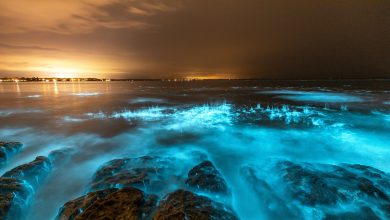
(196, 38)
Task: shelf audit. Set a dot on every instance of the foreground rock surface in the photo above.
(126, 203)
(207, 178)
(7, 149)
(125, 189)
(32, 172)
(322, 189)
(183, 204)
(17, 187)
(14, 196)
(145, 173)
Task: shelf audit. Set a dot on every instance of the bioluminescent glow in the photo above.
(315, 96)
(216, 115)
(152, 113)
(213, 116)
(34, 96)
(87, 94)
(146, 100)
(9, 112)
(247, 139)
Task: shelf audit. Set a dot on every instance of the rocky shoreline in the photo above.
(150, 187)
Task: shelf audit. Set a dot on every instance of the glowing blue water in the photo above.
(232, 125)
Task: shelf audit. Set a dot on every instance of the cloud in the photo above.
(169, 38)
(69, 17)
(17, 47)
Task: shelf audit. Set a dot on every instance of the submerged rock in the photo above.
(183, 204)
(314, 184)
(125, 203)
(17, 187)
(321, 189)
(271, 205)
(61, 156)
(32, 172)
(14, 197)
(365, 213)
(146, 173)
(207, 178)
(7, 149)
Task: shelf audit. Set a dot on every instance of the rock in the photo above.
(32, 172)
(368, 187)
(126, 203)
(323, 187)
(308, 186)
(145, 173)
(207, 178)
(328, 184)
(183, 204)
(386, 209)
(74, 208)
(7, 149)
(271, 205)
(61, 156)
(18, 185)
(14, 197)
(365, 213)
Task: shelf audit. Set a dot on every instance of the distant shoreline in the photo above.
(52, 80)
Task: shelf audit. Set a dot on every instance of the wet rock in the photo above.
(207, 178)
(324, 187)
(368, 187)
(61, 156)
(183, 204)
(7, 149)
(146, 173)
(308, 186)
(14, 198)
(366, 170)
(329, 184)
(126, 203)
(365, 213)
(18, 185)
(271, 205)
(386, 209)
(32, 172)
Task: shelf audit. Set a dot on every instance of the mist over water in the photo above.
(235, 124)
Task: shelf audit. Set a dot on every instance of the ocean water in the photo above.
(234, 123)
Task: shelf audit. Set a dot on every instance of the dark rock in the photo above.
(14, 197)
(7, 149)
(61, 156)
(271, 205)
(146, 173)
(367, 170)
(308, 186)
(386, 209)
(126, 203)
(323, 187)
(183, 204)
(368, 187)
(32, 172)
(207, 178)
(74, 208)
(329, 184)
(365, 213)
(18, 185)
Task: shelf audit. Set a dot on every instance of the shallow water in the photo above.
(233, 123)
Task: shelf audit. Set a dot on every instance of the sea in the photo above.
(233, 123)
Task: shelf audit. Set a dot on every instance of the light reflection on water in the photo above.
(234, 123)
